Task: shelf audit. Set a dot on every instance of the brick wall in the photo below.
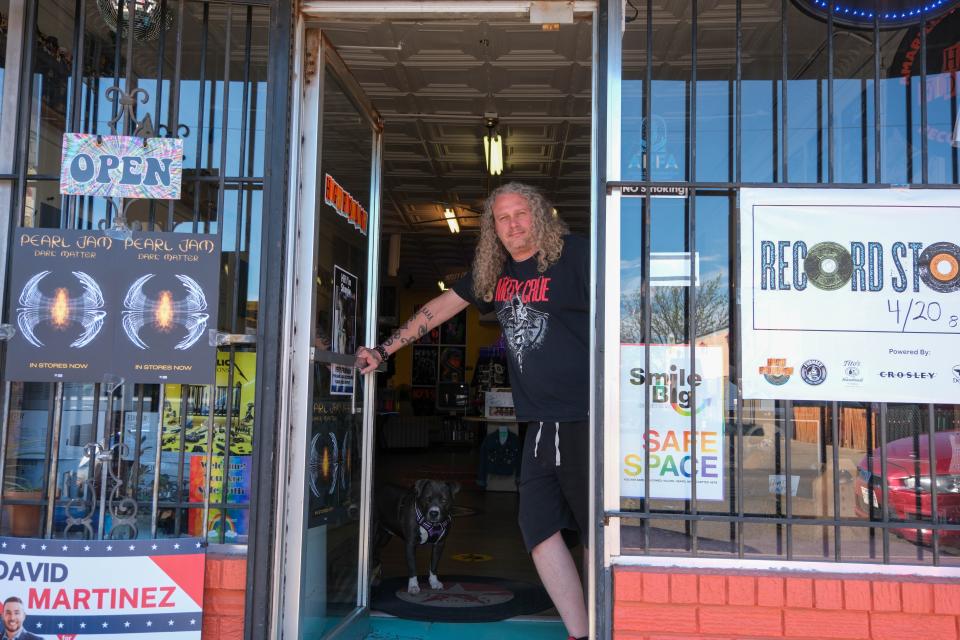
(656, 604)
(223, 594)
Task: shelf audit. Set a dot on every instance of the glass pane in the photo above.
(677, 393)
(940, 99)
(806, 147)
(716, 76)
(853, 108)
(760, 99)
(672, 72)
(52, 66)
(897, 131)
(331, 543)
(24, 452)
(632, 142)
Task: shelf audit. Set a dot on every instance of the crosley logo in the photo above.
(776, 371)
(345, 204)
(813, 372)
(909, 375)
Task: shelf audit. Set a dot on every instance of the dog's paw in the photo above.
(435, 583)
(413, 586)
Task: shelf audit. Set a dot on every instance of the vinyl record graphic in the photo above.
(323, 464)
(828, 266)
(939, 267)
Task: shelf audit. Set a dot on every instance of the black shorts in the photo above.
(552, 497)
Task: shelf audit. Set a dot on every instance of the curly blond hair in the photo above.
(548, 232)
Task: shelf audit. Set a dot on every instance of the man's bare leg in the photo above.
(562, 582)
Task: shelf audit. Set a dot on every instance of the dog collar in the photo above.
(435, 531)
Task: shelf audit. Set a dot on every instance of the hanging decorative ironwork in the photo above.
(150, 17)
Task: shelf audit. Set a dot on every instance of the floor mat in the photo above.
(382, 628)
(463, 599)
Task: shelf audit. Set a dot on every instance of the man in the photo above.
(13, 617)
(536, 277)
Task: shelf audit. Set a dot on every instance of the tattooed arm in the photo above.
(430, 315)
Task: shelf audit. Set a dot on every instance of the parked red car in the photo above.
(909, 484)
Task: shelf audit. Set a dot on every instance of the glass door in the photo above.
(333, 290)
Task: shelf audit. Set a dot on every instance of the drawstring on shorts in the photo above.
(556, 442)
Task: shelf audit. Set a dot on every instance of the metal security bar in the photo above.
(206, 61)
(928, 521)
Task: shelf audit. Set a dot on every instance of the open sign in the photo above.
(121, 166)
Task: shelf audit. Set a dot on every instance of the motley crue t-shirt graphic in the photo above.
(544, 318)
(523, 326)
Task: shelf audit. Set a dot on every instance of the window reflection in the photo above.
(839, 480)
(222, 123)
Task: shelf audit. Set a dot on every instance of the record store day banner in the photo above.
(87, 305)
(120, 589)
(668, 385)
(850, 294)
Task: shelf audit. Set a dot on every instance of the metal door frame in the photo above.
(313, 57)
(306, 88)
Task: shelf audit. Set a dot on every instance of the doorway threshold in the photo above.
(390, 628)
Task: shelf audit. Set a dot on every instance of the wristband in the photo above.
(381, 352)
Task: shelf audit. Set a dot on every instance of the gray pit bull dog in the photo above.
(418, 515)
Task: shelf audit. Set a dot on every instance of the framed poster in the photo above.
(454, 330)
(424, 366)
(346, 287)
(452, 364)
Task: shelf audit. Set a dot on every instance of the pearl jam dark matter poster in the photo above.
(86, 305)
(59, 291)
(168, 304)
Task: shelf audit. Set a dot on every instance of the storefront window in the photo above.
(760, 93)
(704, 471)
(716, 84)
(205, 84)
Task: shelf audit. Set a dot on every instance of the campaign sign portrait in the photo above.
(61, 285)
(167, 305)
(671, 388)
(121, 166)
(344, 334)
(104, 589)
(850, 295)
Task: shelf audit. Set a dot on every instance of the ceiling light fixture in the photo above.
(493, 146)
(451, 220)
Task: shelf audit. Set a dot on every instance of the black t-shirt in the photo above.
(545, 323)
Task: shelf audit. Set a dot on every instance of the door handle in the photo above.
(330, 357)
